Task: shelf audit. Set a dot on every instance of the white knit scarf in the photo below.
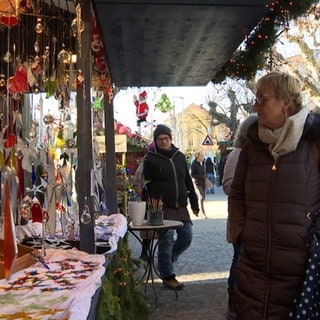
(285, 139)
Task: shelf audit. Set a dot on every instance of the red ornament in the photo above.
(10, 141)
(9, 21)
(36, 212)
(19, 82)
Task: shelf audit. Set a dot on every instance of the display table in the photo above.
(63, 288)
(150, 232)
(63, 291)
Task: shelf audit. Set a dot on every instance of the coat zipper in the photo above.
(176, 181)
(267, 295)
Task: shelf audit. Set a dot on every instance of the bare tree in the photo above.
(239, 106)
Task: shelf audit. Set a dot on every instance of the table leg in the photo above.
(151, 267)
(148, 274)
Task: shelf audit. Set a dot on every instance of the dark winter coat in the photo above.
(198, 173)
(210, 166)
(169, 178)
(268, 210)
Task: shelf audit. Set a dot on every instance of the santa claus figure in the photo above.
(142, 108)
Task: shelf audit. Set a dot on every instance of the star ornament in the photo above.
(35, 189)
(28, 151)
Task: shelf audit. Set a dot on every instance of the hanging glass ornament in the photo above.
(80, 79)
(39, 26)
(46, 52)
(26, 203)
(36, 89)
(48, 119)
(77, 26)
(64, 56)
(60, 140)
(54, 40)
(36, 47)
(2, 81)
(8, 57)
(85, 217)
(59, 185)
(70, 143)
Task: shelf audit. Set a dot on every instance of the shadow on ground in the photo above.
(198, 301)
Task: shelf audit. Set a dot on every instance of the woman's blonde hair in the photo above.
(283, 85)
(197, 153)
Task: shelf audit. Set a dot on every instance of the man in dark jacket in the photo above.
(166, 170)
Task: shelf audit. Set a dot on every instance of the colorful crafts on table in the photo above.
(63, 291)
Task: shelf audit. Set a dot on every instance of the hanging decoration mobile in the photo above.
(38, 134)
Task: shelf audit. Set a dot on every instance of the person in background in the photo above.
(220, 168)
(166, 170)
(210, 174)
(198, 173)
(273, 192)
(228, 173)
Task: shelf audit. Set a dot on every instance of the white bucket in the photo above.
(137, 211)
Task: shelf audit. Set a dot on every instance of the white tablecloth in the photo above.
(62, 292)
(65, 290)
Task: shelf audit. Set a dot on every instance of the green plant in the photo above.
(119, 298)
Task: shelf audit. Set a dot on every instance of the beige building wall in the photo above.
(190, 129)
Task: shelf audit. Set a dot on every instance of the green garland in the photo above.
(119, 298)
(245, 63)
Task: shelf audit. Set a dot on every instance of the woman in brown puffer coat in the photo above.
(276, 184)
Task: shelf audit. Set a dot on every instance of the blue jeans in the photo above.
(211, 178)
(170, 249)
(232, 273)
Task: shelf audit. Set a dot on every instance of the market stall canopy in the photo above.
(173, 43)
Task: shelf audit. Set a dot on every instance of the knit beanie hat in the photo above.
(161, 129)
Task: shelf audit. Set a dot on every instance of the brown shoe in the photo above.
(173, 284)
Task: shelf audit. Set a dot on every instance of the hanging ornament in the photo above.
(9, 21)
(10, 141)
(36, 210)
(48, 119)
(85, 216)
(64, 56)
(60, 140)
(77, 26)
(80, 79)
(97, 103)
(19, 82)
(45, 64)
(39, 26)
(7, 57)
(3, 84)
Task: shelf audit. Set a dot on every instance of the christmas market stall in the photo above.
(60, 229)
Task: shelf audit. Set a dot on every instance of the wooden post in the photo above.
(110, 161)
(84, 130)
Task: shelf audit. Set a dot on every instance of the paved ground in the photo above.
(204, 269)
